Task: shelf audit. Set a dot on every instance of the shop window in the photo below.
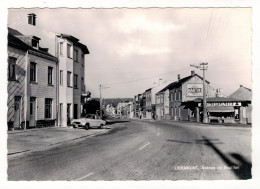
(236, 113)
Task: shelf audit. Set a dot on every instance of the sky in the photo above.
(131, 49)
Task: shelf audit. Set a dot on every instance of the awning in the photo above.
(220, 109)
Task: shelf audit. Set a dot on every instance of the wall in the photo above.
(42, 90)
(16, 88)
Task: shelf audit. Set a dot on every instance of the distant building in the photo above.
(245, 94)
(125, 109)
(32, 82)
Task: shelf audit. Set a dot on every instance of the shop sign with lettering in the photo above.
(222, 104)
(194, 89)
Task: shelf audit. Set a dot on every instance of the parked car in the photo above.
(89, 121)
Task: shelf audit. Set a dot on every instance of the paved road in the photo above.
(143, 150)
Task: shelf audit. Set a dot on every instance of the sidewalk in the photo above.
(199, 123)
(20, 141)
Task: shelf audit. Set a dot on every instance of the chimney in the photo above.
(192, 72)
(179, 77)
(32, 19)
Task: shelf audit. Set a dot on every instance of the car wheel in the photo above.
(87, 126)
(101, 126)
(74, 126)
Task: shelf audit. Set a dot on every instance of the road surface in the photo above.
(143, 150)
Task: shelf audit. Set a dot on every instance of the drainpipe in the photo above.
(57, 83)
(25, 90)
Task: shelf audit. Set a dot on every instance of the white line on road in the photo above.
(158, 129)
(144, 146)
(158, 134)
(88, 175)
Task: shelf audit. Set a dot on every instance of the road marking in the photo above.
(88, 175)
(144, 146)
(158, 129)
(158, 134)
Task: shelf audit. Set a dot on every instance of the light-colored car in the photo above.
(89, 121)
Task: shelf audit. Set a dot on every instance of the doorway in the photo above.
(68, 114)
(32, 121)
(17, 111)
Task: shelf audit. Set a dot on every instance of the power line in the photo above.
(145, 78)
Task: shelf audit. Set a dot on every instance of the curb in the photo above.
(55, 144)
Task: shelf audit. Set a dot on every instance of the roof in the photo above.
(242, 93)
(148, 89)
(220, 99)
(17, 43)
(180, 82)
(75, 42)
(13, 31)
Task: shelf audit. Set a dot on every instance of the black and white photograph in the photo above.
(129, 94)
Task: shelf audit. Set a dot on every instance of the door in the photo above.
(68, 114)
(32, 111)
(75, 111)
(17, 111)
(61, 114)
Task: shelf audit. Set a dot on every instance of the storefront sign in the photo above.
(194, 89)
(222, 104)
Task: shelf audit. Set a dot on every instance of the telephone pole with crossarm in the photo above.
(203, 66)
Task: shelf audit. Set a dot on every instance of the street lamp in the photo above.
(203, 66)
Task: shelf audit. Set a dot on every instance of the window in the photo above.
(69, 79)
(75, 80)
(82, 84)
(177, 95)
(32, 105)
(76, 55)
(11, 68)
(50, 69)
(61, 48)
(61, 77)
(35, 43)
(69, 51)
(48, 108)
(33, 72)
(82, 59)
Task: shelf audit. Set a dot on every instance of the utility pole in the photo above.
(203, 66)
(100, 99)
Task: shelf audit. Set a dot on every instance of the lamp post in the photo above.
(203, 66)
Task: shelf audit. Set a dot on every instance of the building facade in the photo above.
(71, 55)
(32, 83)
(71, 66)
(171, 98)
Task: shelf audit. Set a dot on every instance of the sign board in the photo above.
(195, 89)
(221, 104)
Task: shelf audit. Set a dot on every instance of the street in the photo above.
(143, 150)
